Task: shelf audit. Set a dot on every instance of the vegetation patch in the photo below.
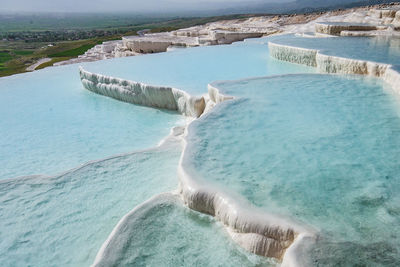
(51, 62)
(5, 56)
(24, 39)
(23, 52)
(73, 52)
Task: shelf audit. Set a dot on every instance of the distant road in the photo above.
(143, 32)
(38, 63)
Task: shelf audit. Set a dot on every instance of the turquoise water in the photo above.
(192, 69)
(166, 233)
(64, 220)
(377, 49)
(321, 149)
(49, 123)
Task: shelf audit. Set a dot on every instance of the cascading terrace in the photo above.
(334, 64)
(143, 94)
(255, 230)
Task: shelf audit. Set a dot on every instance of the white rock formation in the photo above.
(357, 16)
(258, 232)
(293, 54)
(396, 20)
(113, 248)
(389, 32)
(384, 21)
(336, 29)
(334, 64)
(255, 230)
(143, 94)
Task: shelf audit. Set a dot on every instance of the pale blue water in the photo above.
(322, 149)
(192, 69)
(377, 49)
(49, 123)
(64, 220)
(166, 233)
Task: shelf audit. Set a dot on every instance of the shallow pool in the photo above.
(49, 123)
(377, 49)
(323, 149)
(164, 232)
(64, 220)
(191, 69)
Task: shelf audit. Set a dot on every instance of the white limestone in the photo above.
(335, 64)
(396, 20)
(143, 94)
(293, 54)
(357, 16)
(258, 232)
(110, 252)
(392, 77)
(389, 32)
(255, 230)
(334, 29)
(384, 21)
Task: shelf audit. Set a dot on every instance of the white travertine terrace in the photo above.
(256, 231)
(376, 33)
(335, 29)
(335, 64)
(143, 94)
(111, 250)
(385, 19)
(386, 24)
(155, 43)
(293, 54)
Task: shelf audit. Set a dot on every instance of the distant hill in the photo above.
(316, 5)
(299, 6)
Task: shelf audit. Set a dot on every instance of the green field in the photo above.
(23, 52)
(4, 56)
(24, 39)
(74, 52)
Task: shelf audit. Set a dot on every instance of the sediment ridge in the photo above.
(253, 229)
(334, 64)
(142, 94)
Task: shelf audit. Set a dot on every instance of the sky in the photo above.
(162, 6)
(122, 5)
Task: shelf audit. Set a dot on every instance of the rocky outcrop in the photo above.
(293, 54)
(146, 45)
(142, 94)
(337, 28)
(335, 64)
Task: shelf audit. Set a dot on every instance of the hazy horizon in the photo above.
(164, 6)
(121, 6)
